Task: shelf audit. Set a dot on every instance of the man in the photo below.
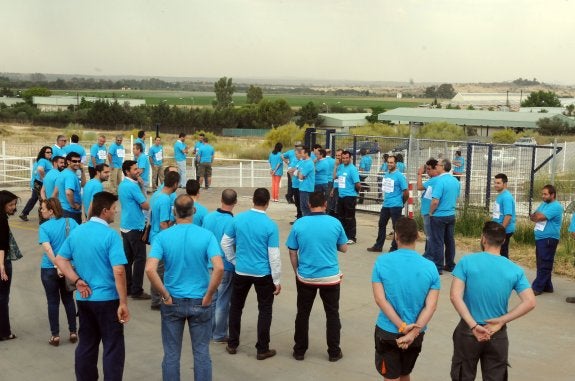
(197, 146)
(313, 244)
(95, 186)
(251, 244)
(69, 188)
(306, 176)
(571, 230)
(217, 222)
(295, 183)
(426, 188)
(49, 184)
(394, 187)
(98, 155)
(156, 155)
(289, 157)
(142, 140)
(59, 149)
(132, 224)
(380, 174)
(100, 278)
(161, 218)
(504, 210)
(480, 291)
(143, 166)
(193, 190)
(332, 193)
(406, 301)
(323, 172)
(458, 165)
(75, 146)
(346, 180)
(180, 152)
(442, 218)
(364, 170)
(116, 155)
(205, 154)
(547, 218)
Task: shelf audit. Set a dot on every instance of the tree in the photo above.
(445, 91)
(553, 126)
(273, 113)
(254, 94)
(570, 110)
(506, 136)
(375, 111)
(308, 114)
(28, 94)
(224, 90)
(430, 92)
(542, 99)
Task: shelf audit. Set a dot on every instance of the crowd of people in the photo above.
(202, 264)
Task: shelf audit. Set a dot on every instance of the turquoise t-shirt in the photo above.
(426, 196)
(179, 154)
(446, 190)
(131, 197)
(551, 228)
(217, 222)
(307, 169)
(201, 212)
(68, 180)
(118, 153)
(161, 211)
(45, 164)
(144, 165)
(53, 231)
(275, 160)
(322, 173)
(347, 177)
(504, 206)
(90, 189)
(365, 165)
(99, 153)
(206, 152)
(49, 183)
(157, 154)
(572, 224)
(393, 185)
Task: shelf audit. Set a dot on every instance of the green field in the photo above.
(189, 98)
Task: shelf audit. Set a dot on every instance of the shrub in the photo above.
(442, 131)
(506, 136)
(469, 222)
(287, 135)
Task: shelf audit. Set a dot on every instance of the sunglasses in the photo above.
(76, 161)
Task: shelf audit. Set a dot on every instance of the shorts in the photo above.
(205, 169)
(390, 360)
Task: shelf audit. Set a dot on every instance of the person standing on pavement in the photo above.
(426, 188)
(98, 155)
(306, 176)
(132, 223)
(94, 186)
(142, 140)
(571, 230)
(332, 193)
(49, 183)
(364, 170)
(205, 154)
(504, 210)
(251, 244)
(100, 277)
(42, 166)
(59, 149)
(69, 188)
(396, 193)
(346, 180)
(547, 217)
(193, 190)
(143, 165)
(458, 165)
(197, 146)
(480, 291)
(290, 158)
(186, 250)
(276, 170)
(8, 248)
(116, 155)
(295, 183)
(180, 153)
(313, 244)
(323, 172)
(156, 155)
(407, 300)
(217, 222)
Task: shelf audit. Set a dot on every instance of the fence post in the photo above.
(4, 161)
(252, 173)
(241, 175)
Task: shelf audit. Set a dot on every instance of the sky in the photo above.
(452, 41)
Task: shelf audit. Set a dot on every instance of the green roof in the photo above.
(480, 118)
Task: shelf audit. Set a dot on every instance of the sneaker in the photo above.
(231, 351)
(570, 299)
(350, 242)
(142, 296)
(266, 355)
(24, 217)
(374, 249)
(336, 357)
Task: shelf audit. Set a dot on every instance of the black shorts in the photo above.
(392, 361)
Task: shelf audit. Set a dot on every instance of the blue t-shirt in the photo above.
(405, 290)
(217, 222)
(307, 169)
(551, 228)
(143, 143)
(45, 164)
(322, 173)
(201, 212)
(186, 250)
(489, 280)
(144, 165)
(161, 211)
(505, 206)
(157, 154)
(179, 147)
(393, 185)
(68, 180)
(446, 190)
(53, 231)
(131, 197)
(95, 248)
(365, 165)
(90, 189)
(294, 179)
(459, 164)
(401, 166)
(316, 237)
(347, 177)
(73, 147)
(331, 165)
(426, 196)
(291, 157)
(206, 152)
(383, 169)
(275, 160)
(99, 153)
(49, 183)
(57, 151)
(254, 232)
(117, 152)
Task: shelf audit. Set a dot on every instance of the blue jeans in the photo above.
(55, 288)
(442, 234)
(99, 322)
(174, 318)
(384, 215)
(545, 256)
(304, 203)
(222, 307)
(182, 171)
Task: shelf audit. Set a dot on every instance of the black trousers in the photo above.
(505, 247)
(135, 250)
(305, 297)
(346, 214)
(265, 293)
(295, 192)
(289, 193)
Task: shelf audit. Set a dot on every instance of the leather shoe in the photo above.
(267, 354)
(298, 357)
(537, 293)
(374, 249)
(142, 296)
(336, 357)
(570, 299)
(231, 351)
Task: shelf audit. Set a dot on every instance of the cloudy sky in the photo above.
(373, 40)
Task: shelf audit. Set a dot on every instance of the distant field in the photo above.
(189, 98)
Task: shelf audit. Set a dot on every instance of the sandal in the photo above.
(73, 337)
(9, 337)
(54, 341)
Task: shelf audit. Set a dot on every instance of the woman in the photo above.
(41, 167)
(52, 235)
(8, 201)
(276, 170)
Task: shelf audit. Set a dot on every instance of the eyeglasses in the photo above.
(76, 161)
(62, 140)
(48, 152)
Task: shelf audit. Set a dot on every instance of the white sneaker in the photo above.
(350, 242)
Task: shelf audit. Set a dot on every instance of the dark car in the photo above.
(370, 147)
(403, 146)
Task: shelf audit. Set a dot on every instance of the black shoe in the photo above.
(142, 296)
(155, 307)
(448, 269)
(223, 340)
(266, 355)
(24, 217)
(537, 293)
(289, 199)
(374, 249)
(231, 351)
(336, 357)
(570, 299)
(298, 357)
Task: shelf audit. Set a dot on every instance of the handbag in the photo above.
(70, 286)
(14, 252)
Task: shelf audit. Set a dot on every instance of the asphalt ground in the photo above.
(541, 344)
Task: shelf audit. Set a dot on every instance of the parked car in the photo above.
(370, 147)
(500, 157)
(526, 141)
(401, 147)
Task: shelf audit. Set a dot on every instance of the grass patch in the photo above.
(469, 223)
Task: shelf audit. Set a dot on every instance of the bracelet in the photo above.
(402, 327)
(475, 326)
(76, 282)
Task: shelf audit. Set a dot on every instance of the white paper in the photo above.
(496, 211)
(540, 225)
(341, 182)
(102, 155)
(121, 153)
(159, 156)
(387, 185)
